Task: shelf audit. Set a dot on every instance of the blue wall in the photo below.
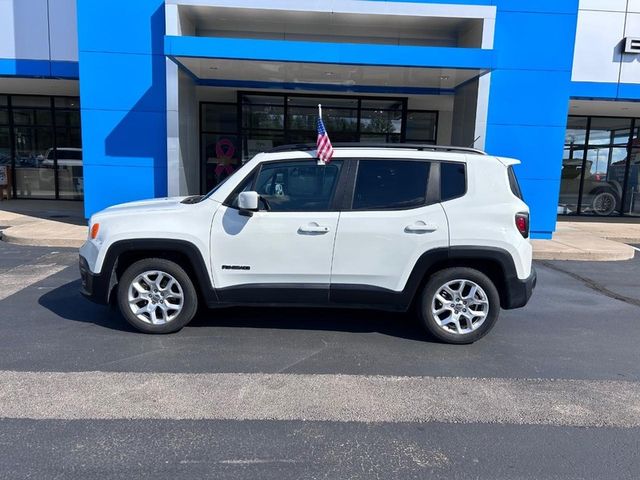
(122, 90)
(529, 98)
(123, 100)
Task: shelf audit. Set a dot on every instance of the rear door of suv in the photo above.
(392, 218)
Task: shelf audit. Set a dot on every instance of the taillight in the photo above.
(522, 224)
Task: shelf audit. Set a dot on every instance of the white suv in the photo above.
(443, 230)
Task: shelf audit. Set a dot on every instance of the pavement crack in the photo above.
(593, 285)
(325, 344)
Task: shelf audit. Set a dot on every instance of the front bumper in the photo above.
(96, 287)
(518, 292)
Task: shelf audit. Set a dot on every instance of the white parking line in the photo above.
(18, 278)
(341, 398)
(635, 248)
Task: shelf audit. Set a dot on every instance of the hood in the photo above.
(152, 205)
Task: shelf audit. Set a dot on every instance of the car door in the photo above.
(283, 252)
(394, 218)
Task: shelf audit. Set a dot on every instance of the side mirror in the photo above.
(248, 201)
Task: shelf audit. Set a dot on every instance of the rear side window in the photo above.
(513, 183)
(453, 180)
(390, 184)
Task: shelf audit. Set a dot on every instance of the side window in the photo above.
(301, 186)
(391, 184)
(513, 183)
(453, 180)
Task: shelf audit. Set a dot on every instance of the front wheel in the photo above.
(156, 296)
(459, 305)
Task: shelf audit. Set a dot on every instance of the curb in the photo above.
(587, 256)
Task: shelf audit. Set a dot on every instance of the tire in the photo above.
(167, 307)
(457, 283)
(604, 203)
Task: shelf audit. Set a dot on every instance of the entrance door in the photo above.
(283, 251)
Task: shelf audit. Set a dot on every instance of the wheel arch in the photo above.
(495, 263)
(124, 253)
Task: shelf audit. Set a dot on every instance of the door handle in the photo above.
(313, 228)
(420, 227)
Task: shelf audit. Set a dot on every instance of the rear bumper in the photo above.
(518, 292)
(95, 287)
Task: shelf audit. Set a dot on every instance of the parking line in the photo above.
(322, 397)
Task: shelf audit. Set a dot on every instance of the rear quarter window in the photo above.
(453, 180)
(513, 183)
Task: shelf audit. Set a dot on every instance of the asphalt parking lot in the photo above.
(549, 393)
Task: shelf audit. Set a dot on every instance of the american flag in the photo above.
(324, 147)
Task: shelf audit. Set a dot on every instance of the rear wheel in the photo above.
(156, 296)
(459, 305)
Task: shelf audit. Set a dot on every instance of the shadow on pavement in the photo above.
(67, 303)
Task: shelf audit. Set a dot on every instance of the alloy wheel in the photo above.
(155, 297)
(460, 306)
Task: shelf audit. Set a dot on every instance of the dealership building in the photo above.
(112, 101)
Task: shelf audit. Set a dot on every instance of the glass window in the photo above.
(35, 175)
(30, 101)
(570, 177)
(381, 121)
(4, 116)
(335, 119)
(421, 126)
(298, 186)
(221, 155)
(258, 143)
(390, 184)
(266, 117)
(219, 117)
(67, 118)
(513, 183)
(67, 102)
(603, 179)
(453, 182)
(23, 116)
(609, 131)
(327, 102)
(576, 133)
(5, 146)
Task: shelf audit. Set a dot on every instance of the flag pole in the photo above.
(320, 162)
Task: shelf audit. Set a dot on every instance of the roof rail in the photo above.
(409, 146)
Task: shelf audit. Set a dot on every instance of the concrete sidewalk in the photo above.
(62, 224)
(43, 223)
(588, 242)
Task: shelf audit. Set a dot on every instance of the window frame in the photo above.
(432, 188)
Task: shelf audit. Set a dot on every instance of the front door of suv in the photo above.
(281, 253)
(395, 218)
